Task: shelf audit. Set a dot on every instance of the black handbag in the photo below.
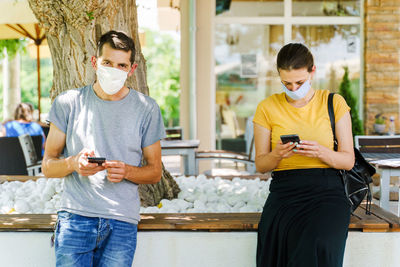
(356, 181)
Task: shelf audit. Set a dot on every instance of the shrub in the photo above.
(345, 91)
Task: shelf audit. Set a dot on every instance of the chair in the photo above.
(31, 147)
(379, 147)
(246, 158)
(174, 133)
(229, 137)
(13, 157)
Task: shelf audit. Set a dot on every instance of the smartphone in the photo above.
(290, 138)
(97, 160)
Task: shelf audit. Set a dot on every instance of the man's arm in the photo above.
(149, 174)
(55, 167)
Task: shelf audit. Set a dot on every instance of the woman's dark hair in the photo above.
(24, 111)
(295, 56)
(117, 40)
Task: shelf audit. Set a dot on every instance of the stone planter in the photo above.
(379, 128)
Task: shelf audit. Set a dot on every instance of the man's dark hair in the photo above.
(295, 56)
(117, 40)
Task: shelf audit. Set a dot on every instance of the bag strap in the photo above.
(332, 119)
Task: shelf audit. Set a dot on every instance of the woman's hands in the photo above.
(311, 149)
(282, 151)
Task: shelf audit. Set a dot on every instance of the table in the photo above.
(185, 148)
(378, 156)
(388, 168)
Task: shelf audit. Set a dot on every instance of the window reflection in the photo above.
(245, 71)
(258, 8)
(333, 47)
(326, 8)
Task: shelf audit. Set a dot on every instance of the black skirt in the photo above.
(305, 220)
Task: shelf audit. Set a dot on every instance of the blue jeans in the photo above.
(91, 241)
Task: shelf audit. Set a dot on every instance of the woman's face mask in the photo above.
(111, 79)
(300, 92)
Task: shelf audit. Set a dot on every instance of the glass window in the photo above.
(326, 8)
(249, 8)
(245, 71)
(333, 47)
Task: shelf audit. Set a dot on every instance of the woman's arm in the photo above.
(341, 159)
(344, 157)
(267, 160)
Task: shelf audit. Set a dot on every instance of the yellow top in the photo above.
(310, 122)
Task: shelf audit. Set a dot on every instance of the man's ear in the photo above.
(134, 66)
(94, 62)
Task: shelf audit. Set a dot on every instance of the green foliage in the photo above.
(28, 83)
(12, 47)
(90, 15)
(1, 94)
(380, 119)
(345, 91)
(163, 74)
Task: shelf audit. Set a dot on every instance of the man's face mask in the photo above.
(111, 79)
(299, 93)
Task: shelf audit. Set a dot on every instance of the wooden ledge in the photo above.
(200, 221)
(20, 178)
(378, 221)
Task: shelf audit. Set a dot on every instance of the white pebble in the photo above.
(198, 194)
(21, 206)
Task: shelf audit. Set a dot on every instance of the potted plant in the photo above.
(380, 123)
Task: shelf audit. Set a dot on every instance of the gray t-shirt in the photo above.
(116, 130)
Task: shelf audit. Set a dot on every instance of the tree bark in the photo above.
(72, 30)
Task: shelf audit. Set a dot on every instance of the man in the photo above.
(97, 221)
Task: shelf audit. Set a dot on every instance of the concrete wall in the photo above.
(197, 249)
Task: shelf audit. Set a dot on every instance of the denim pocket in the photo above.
(64, 215)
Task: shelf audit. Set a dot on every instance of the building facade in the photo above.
(234, 49)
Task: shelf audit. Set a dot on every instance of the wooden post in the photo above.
(38, 76)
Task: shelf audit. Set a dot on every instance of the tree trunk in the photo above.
(11, 85)
(72, 30)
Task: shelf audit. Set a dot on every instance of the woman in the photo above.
(23, 124)
(306, 216)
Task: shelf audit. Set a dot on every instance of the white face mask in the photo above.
(111, 79)
(299, 93)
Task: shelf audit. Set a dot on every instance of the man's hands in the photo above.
(82, 166)
(116, 170)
